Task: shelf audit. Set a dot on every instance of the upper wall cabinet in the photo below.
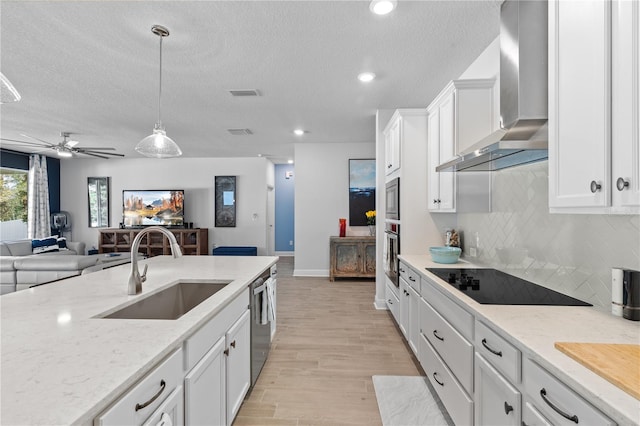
(392, 137)
(461, 115)
(593, 124)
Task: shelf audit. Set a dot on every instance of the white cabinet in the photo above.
(205, 389)
(625, 137)
(172, 408)
(591, 146)
(413, 330)
(462, 114)
(238, 371)
(532, 417)
(393, 302)
(392, 142)
(144, 398)
(403, 323)
(497, 402)
(556, 401)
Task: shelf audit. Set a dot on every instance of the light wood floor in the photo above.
(330, 340)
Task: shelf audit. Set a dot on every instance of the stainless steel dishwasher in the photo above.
(260, 326)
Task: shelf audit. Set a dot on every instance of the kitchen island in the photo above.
(530, 333)
(62, 364)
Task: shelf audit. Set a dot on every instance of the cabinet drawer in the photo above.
(453, 313)
(455, 399)
(410, 276)
(450, 345)
(500, 353)
(556, 401)
(393, 303)
(152, 389)
(532, 417)
(206, 336)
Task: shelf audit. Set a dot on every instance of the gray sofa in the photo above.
(20, 268)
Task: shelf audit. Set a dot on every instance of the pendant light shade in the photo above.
(158, 144)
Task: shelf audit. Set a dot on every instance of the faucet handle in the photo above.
(143, 276)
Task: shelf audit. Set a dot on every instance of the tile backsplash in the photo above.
(570, 253)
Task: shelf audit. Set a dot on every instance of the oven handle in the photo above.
(260, 289)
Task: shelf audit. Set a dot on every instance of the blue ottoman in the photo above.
(235, 251)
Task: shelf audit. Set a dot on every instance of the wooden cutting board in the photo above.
(618, 363)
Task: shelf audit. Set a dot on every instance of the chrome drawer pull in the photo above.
(435, 377)
(493, 351)
(139, 407)
(543, 394)
(435, 333)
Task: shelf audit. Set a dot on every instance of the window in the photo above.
(13, 204)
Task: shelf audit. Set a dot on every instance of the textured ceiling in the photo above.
(91, 68)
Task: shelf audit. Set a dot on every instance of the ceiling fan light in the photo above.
(158, 145)
(65, 153)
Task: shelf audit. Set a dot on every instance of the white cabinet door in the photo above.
(625, 67)
(393, 136)
(172, 408)
(441, 140)
(413, 329)
(205, 389)
(393, 303)
(404, 308)
(238, 341)
(579, 103)
(497, 401)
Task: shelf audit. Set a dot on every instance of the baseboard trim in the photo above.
(310, 272)
(380, 304)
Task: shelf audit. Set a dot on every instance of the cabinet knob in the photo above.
(621, 184)
(233, 344)
(595, 186)
(435, 201)
(507, 408)
(388, 166)
(226, 352)
(439, 200)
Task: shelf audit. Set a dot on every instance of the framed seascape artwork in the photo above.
(225, 188)
(362, 190)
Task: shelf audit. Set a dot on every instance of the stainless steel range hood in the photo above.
(523, 94)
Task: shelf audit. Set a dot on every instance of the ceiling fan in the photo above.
(67, 147)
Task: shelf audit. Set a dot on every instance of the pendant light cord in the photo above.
(160, 87)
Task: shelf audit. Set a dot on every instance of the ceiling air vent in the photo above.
(240, 132)
(251, 92)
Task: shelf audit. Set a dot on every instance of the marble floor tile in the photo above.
(409, 401)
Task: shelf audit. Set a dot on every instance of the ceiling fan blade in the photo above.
(31, 137)
(96, 148)
(27, 143)
(91, 154)
(90, 151)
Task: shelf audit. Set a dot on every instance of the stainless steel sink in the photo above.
(170, 303)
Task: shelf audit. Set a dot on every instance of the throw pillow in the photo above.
(44, 245)
(62, 242)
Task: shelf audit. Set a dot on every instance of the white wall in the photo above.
(194, 175)
(322, 197)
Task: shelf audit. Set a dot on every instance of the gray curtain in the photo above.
(38, 198)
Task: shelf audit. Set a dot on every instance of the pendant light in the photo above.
(158, 144)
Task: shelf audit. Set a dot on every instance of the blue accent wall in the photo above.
(284, 206)
(20, 161)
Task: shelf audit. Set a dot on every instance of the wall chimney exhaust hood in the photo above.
(522, 137)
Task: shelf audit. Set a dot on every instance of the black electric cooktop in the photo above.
(493, 287)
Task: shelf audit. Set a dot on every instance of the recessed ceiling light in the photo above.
(366, 77)
(299, 132)
(382, 7)
(290, 161)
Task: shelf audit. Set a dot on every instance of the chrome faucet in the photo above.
(135, 279)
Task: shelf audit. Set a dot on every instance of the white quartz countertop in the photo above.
(60, 365)
(535, 329)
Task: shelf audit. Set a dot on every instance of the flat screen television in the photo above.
(152, 207)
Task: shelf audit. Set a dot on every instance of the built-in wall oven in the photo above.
(391, 251)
